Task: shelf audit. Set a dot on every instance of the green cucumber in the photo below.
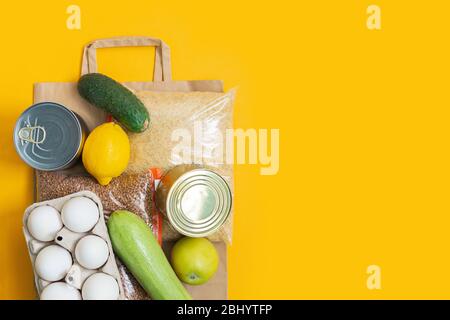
(112, 97)
(137, 248)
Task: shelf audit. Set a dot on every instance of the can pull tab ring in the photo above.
(34, 135)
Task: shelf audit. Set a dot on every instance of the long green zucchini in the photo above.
(137, 248)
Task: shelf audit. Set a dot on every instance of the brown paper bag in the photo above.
(67, 95)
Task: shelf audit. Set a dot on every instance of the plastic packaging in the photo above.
(130, 192)
(186, 128)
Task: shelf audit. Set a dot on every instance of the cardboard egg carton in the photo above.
(68, 240)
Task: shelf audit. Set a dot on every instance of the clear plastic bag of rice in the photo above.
(186, 128)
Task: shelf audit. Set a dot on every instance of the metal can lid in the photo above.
(198, 203)
(48, 136)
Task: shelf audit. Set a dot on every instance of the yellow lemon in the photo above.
(106, 152)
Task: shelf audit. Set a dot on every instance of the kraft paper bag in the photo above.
(67, 95)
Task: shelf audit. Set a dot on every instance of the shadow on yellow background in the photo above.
(363, 118)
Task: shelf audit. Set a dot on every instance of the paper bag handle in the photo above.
(162, 70)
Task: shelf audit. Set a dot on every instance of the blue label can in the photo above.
(49, 136)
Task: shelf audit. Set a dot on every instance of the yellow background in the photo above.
(363, 118)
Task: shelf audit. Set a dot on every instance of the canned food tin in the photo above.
(48, 136)
(195, 200)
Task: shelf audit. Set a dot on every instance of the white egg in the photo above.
(43, 223)
(60, 291)
(80, 214)
(52, 263)
(91, 252)
(100, 286)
